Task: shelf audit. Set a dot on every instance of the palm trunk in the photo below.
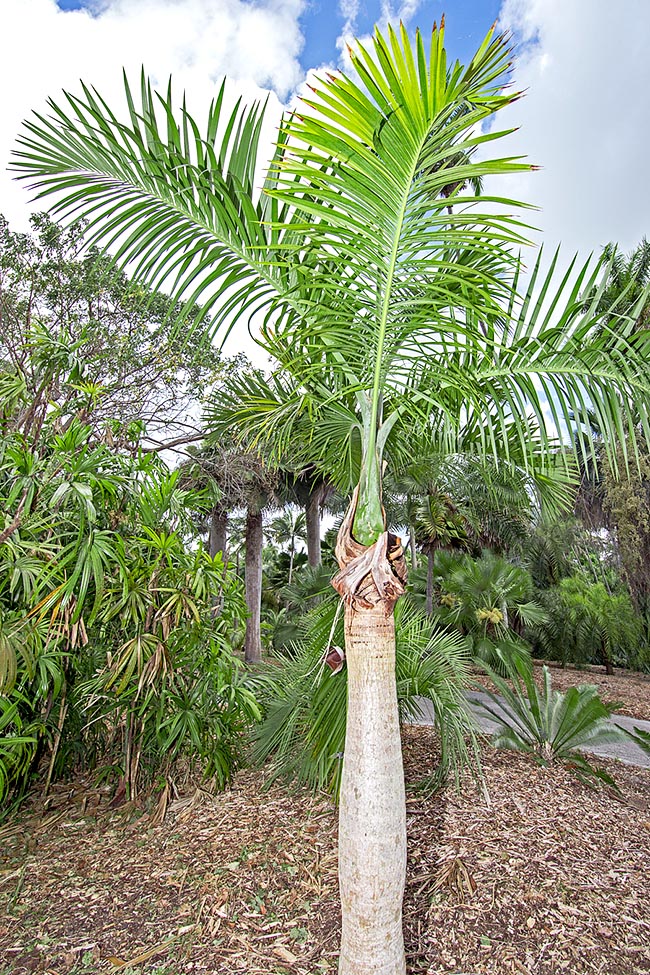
(372, 815)
(607, 660)
(253, 585)
(312, 522)
(218, 542)
(218, 539)
(414, 555)
(430, 583)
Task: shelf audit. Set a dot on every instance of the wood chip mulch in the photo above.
(535, 874)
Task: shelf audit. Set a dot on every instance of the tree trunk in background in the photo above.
(253, 581)
(414, 554)
(312, 520)
(218, 538)
(218, 542)
(372, 813)
(430, 582)
(607, 660)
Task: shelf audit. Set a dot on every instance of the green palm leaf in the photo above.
(361, 273)
(176, 202)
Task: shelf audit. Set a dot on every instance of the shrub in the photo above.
(490, 600)
(303, 730)
(585, 623)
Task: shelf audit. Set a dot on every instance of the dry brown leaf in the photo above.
(143, 956)
(285, 954)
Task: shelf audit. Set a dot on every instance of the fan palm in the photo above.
(489, 599)
(371, 290)
(304, 725)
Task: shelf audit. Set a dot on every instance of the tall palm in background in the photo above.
(289, 528)
(627, 281)
(237, 476)
(437, 524)
(359, 274)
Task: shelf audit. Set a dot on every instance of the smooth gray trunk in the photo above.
(253, 583)
(372, 812)
(414, 554)
(218, 538)
(429, 583)
(218, 542)
(312, 520)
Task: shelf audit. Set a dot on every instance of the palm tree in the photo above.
(361, 276)
(627, 281)
(238, 477)
(438, 524)
(491, 601)
(238, 403)
(289, 528)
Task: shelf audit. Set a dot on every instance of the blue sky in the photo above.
(322, 23)
(467, 24)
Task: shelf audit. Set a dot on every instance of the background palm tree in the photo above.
(438, 524)
(288, 529)
(350, 254)
(627, 281)
(238, 477)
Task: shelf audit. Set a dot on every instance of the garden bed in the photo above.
(535, 874)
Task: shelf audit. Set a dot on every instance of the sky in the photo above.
(583, 64)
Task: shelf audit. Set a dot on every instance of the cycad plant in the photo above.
(549, 725)
(384, 306)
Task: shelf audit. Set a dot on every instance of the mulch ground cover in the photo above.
(532, 873)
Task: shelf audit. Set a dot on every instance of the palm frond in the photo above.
(303, 732)
(175, 202)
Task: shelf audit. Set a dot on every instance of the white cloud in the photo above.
(349, 10)
(584, 120)
(390, 13)
(256, 45)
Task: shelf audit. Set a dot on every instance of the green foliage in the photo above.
(586, 623)
(551, 551)
(548, 724)
(100, 346)
(626, 503)
(627, 281)
(641, 738)
(303, 730)
(490, 600)
(351, 253)
(110, 648)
